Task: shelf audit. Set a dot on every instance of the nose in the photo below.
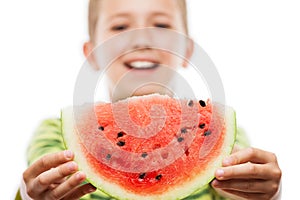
(142, 38)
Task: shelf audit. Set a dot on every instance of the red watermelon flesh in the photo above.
(150, 147)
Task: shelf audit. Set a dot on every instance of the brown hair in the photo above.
(94, 7)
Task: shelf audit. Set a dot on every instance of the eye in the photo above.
(119, 28)
(161, 25)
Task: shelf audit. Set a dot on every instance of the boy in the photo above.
(248, 173)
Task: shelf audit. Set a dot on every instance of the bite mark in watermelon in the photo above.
(149, 147)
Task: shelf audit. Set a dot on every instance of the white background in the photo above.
(254, 44)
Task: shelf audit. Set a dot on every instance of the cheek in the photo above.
(115, 72)
(107, 52)
(171, 60)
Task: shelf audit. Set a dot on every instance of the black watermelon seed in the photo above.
(108, 156)
(190, 103)
(183, 130)
(202, 126)
(202, 103)
(142, 175)
(187, 152)
(101, 128)
(144, 154)
(158, 177)
(120, 134)
(121, 143)
(180, 139)
(206, 133)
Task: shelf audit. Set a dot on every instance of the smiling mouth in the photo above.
(141, 65)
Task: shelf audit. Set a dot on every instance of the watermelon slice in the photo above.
(149, 147)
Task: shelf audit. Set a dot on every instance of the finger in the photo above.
(80, 191)
(248, 196)
(56, 183)
(47, 162)
(74, 181)
(236, 148)
(249, 155)
(44, 180)
(249, 186)
(245, 171)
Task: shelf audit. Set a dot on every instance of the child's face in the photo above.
(117, 16)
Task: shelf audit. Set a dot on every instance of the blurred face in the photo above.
(118, 16)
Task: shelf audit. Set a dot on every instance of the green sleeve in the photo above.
(18, 196)
(48, 139)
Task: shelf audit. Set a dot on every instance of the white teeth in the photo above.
(142, 64)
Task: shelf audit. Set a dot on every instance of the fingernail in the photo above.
(226, 162)
(68, 154)
(92, 189)
(72, 166)
(80, 176)
(215, 183)
(220, 173)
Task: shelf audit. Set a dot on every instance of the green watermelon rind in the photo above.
(177, 193)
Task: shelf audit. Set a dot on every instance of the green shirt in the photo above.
(48, 139)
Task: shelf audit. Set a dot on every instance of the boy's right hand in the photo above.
(56, 176)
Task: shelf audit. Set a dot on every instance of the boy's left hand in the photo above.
(248, 174)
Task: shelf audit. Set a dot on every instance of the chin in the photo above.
(141, 91)
(151, 89)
